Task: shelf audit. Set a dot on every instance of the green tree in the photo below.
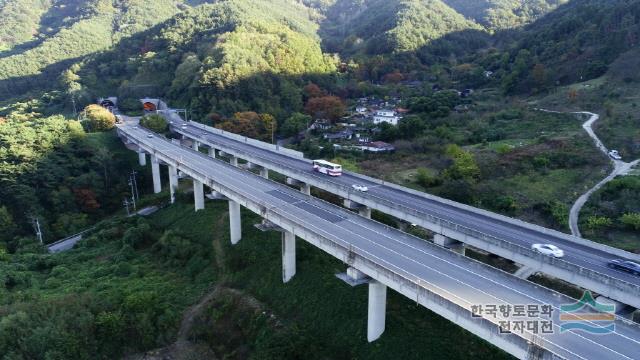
(154, 122)
(464, 164)
(295, 123)
(597, 222)
(631, 220)
(7, 225)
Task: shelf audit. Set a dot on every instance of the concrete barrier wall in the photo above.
(498, 217)
(244, 139)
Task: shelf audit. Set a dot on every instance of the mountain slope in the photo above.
(382, 26)
(576, 42)
(68, 31)
(504, 14)
(228, 56)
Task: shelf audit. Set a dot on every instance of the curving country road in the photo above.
(619, 168)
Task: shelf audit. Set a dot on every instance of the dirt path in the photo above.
(183, 348)
(619, 168)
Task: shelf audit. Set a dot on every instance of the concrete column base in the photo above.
(198, 194)
(288, 255)
(453, 245)
(196, 145)
(235, 224)
(264, 172)
(212, 152)
(233, 160)
(377, 310)
(173, 182)
(155, 171)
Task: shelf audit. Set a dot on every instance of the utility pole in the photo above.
(125, 202)
(135, 184)
(133, 196)
(36, 227)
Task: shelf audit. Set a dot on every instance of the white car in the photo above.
(184, 126)
(615, 155)
(548, 249)
(360, 188)
(149, 136)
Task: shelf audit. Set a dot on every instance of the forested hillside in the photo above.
(231, 56)
(576, 42)
(504, 14)
(51, 35)
(379, 27)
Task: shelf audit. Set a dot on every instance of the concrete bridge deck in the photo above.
(447, 283)
(585, 263)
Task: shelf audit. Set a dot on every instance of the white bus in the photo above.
(326, 167)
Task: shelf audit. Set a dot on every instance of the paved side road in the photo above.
(619, 168)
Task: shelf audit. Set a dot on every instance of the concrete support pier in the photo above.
(212, 152)
(196, 145)
(524, 272)
(198, 194)
(453, 245)
(304, 187)
(233, 160)
(365, 212)
(288, 255)
(235, 223)
(622, 310)
(362, 210)
(155, 171)
(142, 158)
(377, 310)
(173, 182)
(264, 172)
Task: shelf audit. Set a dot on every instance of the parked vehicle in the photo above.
(615, 155)
(361, 188)
(548, 249)
(325, 167)
(624, 265)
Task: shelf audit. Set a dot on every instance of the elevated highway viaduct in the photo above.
(455, 224)
(443, 281)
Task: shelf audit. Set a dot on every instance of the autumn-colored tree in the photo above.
(87, 199)
(325, 107)
(393, 78)
(539, 74)
(251, 124)
(100, 119)
(312, 90)
(572, 95)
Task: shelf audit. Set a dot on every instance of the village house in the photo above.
(386, 116)
(377, 146)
